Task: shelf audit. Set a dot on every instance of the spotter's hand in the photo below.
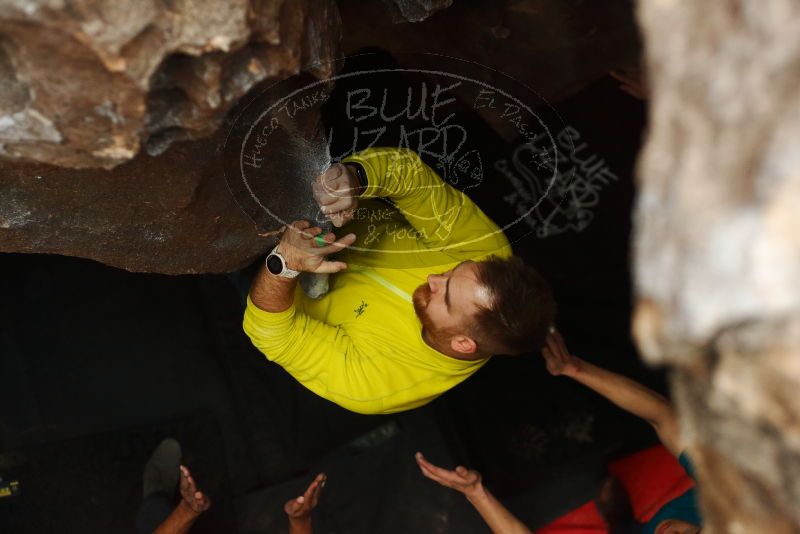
(336, 191)
(304, 247)
(467, 481)
(191, 497)
(301, 506)
(557, 357)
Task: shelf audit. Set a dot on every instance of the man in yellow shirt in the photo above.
(425, 292)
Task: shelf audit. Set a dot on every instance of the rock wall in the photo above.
(102, 83)
(112, 114)
(717, 247)
(414, 10)
(554, 47)
(90, 83)
(170, 214)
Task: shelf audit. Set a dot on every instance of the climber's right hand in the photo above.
(304, 248)
(336, 192)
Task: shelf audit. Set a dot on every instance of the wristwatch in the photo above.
(277, 265)
(361, 175)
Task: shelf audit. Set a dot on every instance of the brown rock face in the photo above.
(113, 84)
(414, 10)
(102, 83)
(718, 247)
(89, 83)
(554, 47)
(171, 214)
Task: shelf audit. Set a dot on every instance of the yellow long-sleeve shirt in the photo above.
(361, 345)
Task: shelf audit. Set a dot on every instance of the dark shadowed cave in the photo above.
(103, 363)
(127, 249)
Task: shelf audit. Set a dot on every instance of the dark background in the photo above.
(97, 365)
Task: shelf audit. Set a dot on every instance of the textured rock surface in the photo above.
(552, 46)
(718, 247)
(77, 93)
(414, 10)
(171, 214)
(89, 83)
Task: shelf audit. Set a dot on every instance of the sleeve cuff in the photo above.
(372, 185)
(264, 317)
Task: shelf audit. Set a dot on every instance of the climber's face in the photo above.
(446, 304)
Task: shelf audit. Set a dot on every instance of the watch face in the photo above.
(274, 264)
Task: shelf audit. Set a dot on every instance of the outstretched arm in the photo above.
(468, 482)
(622, 391)
(193, 503)
(315, 353)
(444, 217)
(299, 509)
(301, 252)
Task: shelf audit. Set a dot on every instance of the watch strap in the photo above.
(361, 174)
(285, 272)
